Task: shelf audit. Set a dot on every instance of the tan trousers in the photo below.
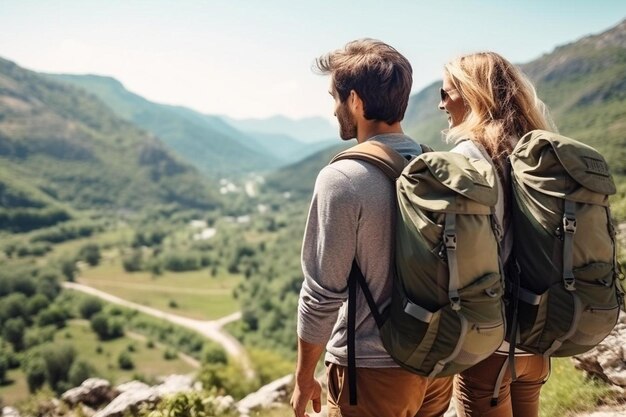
(387, 392)
(474, 388)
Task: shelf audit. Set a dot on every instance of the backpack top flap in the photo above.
(384, 157)
(562, 167)
(449, 182)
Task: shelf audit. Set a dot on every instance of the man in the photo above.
(352, 217)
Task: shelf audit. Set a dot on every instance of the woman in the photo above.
(490, 105)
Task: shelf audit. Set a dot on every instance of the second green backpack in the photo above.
(563, 285)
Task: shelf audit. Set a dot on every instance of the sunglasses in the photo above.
(445, 94)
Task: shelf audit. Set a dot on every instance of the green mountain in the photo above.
(62, 149)
(205, 141)
(306, 130)
(299, 178)
(423, 120)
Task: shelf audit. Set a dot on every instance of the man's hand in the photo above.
(303, 393)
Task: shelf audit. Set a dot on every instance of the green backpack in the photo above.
(447, 311)
(563, 283)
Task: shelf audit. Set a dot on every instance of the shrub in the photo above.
(133, 261)
(214, 354)
(53, 315)
(89, 306)
(58, 360)
(80, 371)
(37, 303)
(4, 367)
(100, 325)
(170, 354)
(90, 253)
(125, 361)
(35, 374)
(13, 332)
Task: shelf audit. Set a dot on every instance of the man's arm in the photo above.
(307, 387)
(328, 249)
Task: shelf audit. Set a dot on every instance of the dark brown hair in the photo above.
(380, 75)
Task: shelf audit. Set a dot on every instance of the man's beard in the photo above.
(347, 125)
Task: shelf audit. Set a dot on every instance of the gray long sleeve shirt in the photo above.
(352, 216)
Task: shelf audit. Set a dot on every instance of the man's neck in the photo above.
(374, 128)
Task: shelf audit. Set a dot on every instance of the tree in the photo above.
(214, 354)
(125, 361)
(4, 366)
(58, 360)
(13, 332)
(53, 315)
(90, 253)
(89, 306)
(35, 373)
(68, 269)
(37, 303)
(100, 325)
(79, 372)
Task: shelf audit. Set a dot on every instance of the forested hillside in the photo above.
(62, 149)
(205, 141)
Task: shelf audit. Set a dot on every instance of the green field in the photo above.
(196, 294)
(149, 362)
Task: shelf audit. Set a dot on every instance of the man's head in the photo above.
(376, 73)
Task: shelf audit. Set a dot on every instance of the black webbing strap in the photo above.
(356, 279)
(352, 283)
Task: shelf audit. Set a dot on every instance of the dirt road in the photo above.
(211, 329)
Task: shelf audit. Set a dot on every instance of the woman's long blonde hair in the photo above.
(502, 104)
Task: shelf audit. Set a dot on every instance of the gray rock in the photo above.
(134, 394)
(10, 412)
(265, 397)
(607, 360)
(92, 392)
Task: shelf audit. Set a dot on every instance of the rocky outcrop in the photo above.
(607, 361)
(93, 392)
(135, 394)
(9, 412)
(276, 392)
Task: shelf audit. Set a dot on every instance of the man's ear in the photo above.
(355, 102)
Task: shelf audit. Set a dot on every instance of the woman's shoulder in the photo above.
(470, 149)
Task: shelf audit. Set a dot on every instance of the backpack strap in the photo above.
(355, 280)
(384, 157)
(391, 163)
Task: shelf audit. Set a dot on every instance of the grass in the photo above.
(15, 389)
(149, 362)
(194, 294)
(568, 391)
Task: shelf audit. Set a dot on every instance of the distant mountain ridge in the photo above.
(62, 147)
(306, 130)
(210, 144)
(214, 144)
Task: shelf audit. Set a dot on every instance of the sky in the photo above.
(253, 59)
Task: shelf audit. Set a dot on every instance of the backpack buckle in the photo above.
(449, 240)
(569, 283)
(569, 224)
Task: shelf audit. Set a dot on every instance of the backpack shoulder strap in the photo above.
(384, 157)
